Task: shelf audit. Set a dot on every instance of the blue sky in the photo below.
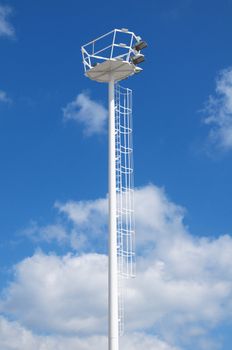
(54, 177)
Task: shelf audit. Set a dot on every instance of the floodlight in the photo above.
(140, 45)
(138, 58)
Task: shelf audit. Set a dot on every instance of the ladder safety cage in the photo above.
(124, 181)
(125, 192)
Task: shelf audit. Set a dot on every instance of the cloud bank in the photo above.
(16, 337)
(182, 293)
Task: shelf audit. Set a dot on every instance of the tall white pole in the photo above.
(112, 269)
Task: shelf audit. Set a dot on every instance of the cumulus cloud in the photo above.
(78, 225)
(183, 289)
(88, 220)
(182, 280)
(14, 336)
(85, 212)
(60, 294)
(6, 29)
(90, 114)
(154, 213)
(57, 233)
(46, 233)
(4, 97)
(219, 112)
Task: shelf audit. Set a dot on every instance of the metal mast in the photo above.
(113, 261)
(111, 58)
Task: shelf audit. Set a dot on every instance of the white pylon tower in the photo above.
(111, 58)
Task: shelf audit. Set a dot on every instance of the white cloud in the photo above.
(84, 212)
(91, 114)
(154, 213)
(183, 289)
(138, 341)
(6, 29)
(3, 97)
(57, 233)
(15, 337)
(60, 295)
(219, 112)
(87, 221)
(46, 233)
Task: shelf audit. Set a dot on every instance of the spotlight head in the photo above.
(140, 45)
(138, 58)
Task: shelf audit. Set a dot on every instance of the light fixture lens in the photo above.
(139, 58)
(140, 45)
